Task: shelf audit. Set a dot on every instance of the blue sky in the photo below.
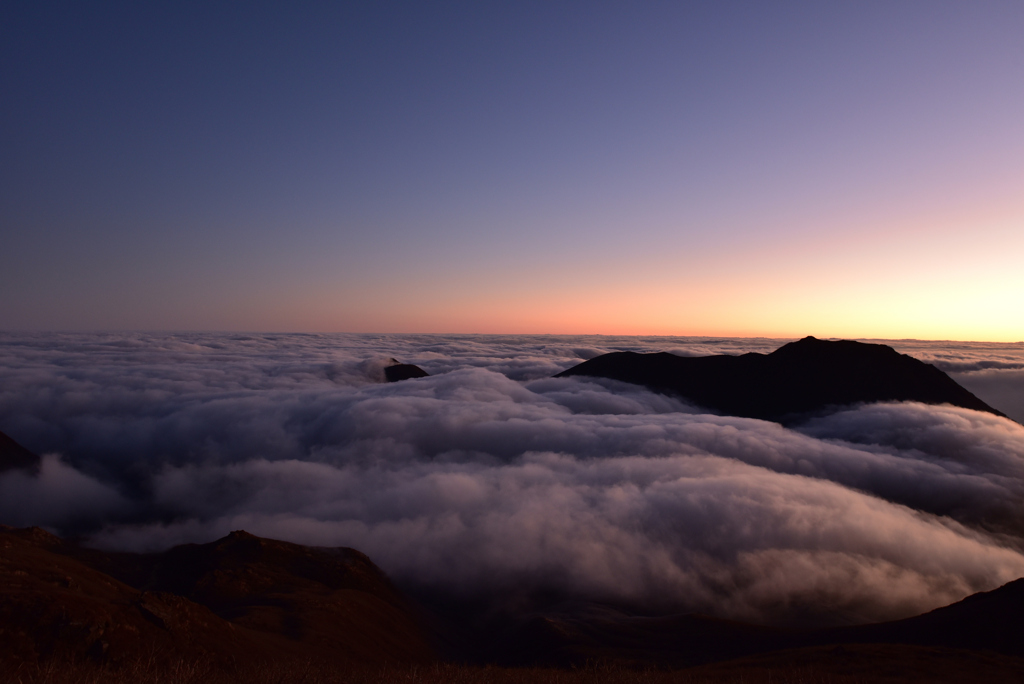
(683, 168)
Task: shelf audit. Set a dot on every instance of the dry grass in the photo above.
(192, 672)
(877, 664)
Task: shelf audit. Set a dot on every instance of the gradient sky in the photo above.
(714, 168)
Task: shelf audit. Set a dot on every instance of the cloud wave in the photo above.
(492, 479)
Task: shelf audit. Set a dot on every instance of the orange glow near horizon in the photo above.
(946, 283)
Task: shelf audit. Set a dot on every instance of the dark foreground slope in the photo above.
(254, 610)
(798, 378)
(992, 622)
(240, 598)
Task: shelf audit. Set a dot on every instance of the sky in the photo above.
(743, 169)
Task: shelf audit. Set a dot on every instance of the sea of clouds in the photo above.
(492, 479)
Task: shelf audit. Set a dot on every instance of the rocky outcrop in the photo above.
(403, 371)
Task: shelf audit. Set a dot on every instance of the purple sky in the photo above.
(851, 169)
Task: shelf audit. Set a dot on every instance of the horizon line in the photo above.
(211, 331)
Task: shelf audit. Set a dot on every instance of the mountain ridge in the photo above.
(797, 379)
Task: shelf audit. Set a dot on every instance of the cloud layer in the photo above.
(492, 479)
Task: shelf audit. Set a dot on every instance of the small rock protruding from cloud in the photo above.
(403, 371)
(389, 369)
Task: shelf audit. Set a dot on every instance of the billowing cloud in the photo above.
(57, 496)
(1002, 388)
(991, 370)
(491, 478)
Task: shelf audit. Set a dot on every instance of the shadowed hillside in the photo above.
(240, 597)
(989, 621)
(248, 609)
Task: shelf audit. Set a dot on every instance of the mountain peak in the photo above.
(241, 534)
(799, 378)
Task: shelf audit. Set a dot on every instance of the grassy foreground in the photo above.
(865, 667)
(192, 673)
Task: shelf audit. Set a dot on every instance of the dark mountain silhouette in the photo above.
(796, 379)
(403, 371)
(14, 456)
